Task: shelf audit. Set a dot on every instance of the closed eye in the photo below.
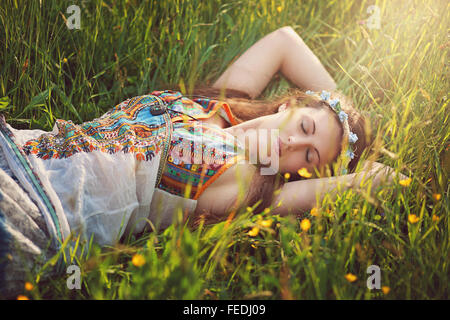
(303, 126)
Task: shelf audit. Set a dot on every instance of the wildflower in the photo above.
(28, 286)
(350, 277)
(350, 154)
(325, 95)
(436, 196)
(287, 175)
(266, 210)
(279, 9)
(342, 116)
(352, 137)
(405, 182)
(65, 60)
(303, 172)
(266, 223)
(138, 260)
(435, 218)
(22, 297)
(385, 289)
(305, 224)
(333, 103)
(412, 218)
(254, 232)
(314, 212)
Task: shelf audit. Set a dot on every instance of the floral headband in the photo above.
(347, 153)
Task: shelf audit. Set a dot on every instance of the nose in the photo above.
(295, 141)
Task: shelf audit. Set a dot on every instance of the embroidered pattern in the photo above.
(198, 107)
(199, 154)
(129, 127)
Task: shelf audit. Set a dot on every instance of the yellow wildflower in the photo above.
(28, 286)
(436, 196)
(254, 232)
(303, 172)
(279, 9)
(305, 224)
(287, 175)
(22, 297)
(351, 277)
(65, 60)
(138, 260)
(435, 218)
(266, 223)
(412, 218)
(385, 289)
(266, 210)
(314, 212)
(405, 182)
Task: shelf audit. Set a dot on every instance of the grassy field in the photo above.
(398, 75)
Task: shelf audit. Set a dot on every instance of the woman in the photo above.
(131, 169)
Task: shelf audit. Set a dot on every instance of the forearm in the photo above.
(280, 51)
(305, 194)
(253, 70)
(301, 66)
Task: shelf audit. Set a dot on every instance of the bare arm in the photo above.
(280, 51)
(305, 194)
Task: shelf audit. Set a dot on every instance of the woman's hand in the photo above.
(381, 173)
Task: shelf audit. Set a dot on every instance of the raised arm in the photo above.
(283, 51)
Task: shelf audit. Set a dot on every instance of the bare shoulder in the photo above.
(228, 191)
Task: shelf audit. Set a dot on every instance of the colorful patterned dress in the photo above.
(108, 177)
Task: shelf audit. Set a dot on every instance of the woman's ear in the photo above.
(282, 108)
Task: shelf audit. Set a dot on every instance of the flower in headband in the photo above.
(347, 154)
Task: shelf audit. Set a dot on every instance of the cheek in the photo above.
(292, 163)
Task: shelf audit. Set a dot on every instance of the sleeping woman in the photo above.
(131, 169)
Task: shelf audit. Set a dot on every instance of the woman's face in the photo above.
(308, 137)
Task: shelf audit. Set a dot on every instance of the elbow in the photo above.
(286, 29)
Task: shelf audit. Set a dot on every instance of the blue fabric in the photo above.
(5, 242)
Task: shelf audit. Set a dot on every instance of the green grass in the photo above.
(397, 75)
